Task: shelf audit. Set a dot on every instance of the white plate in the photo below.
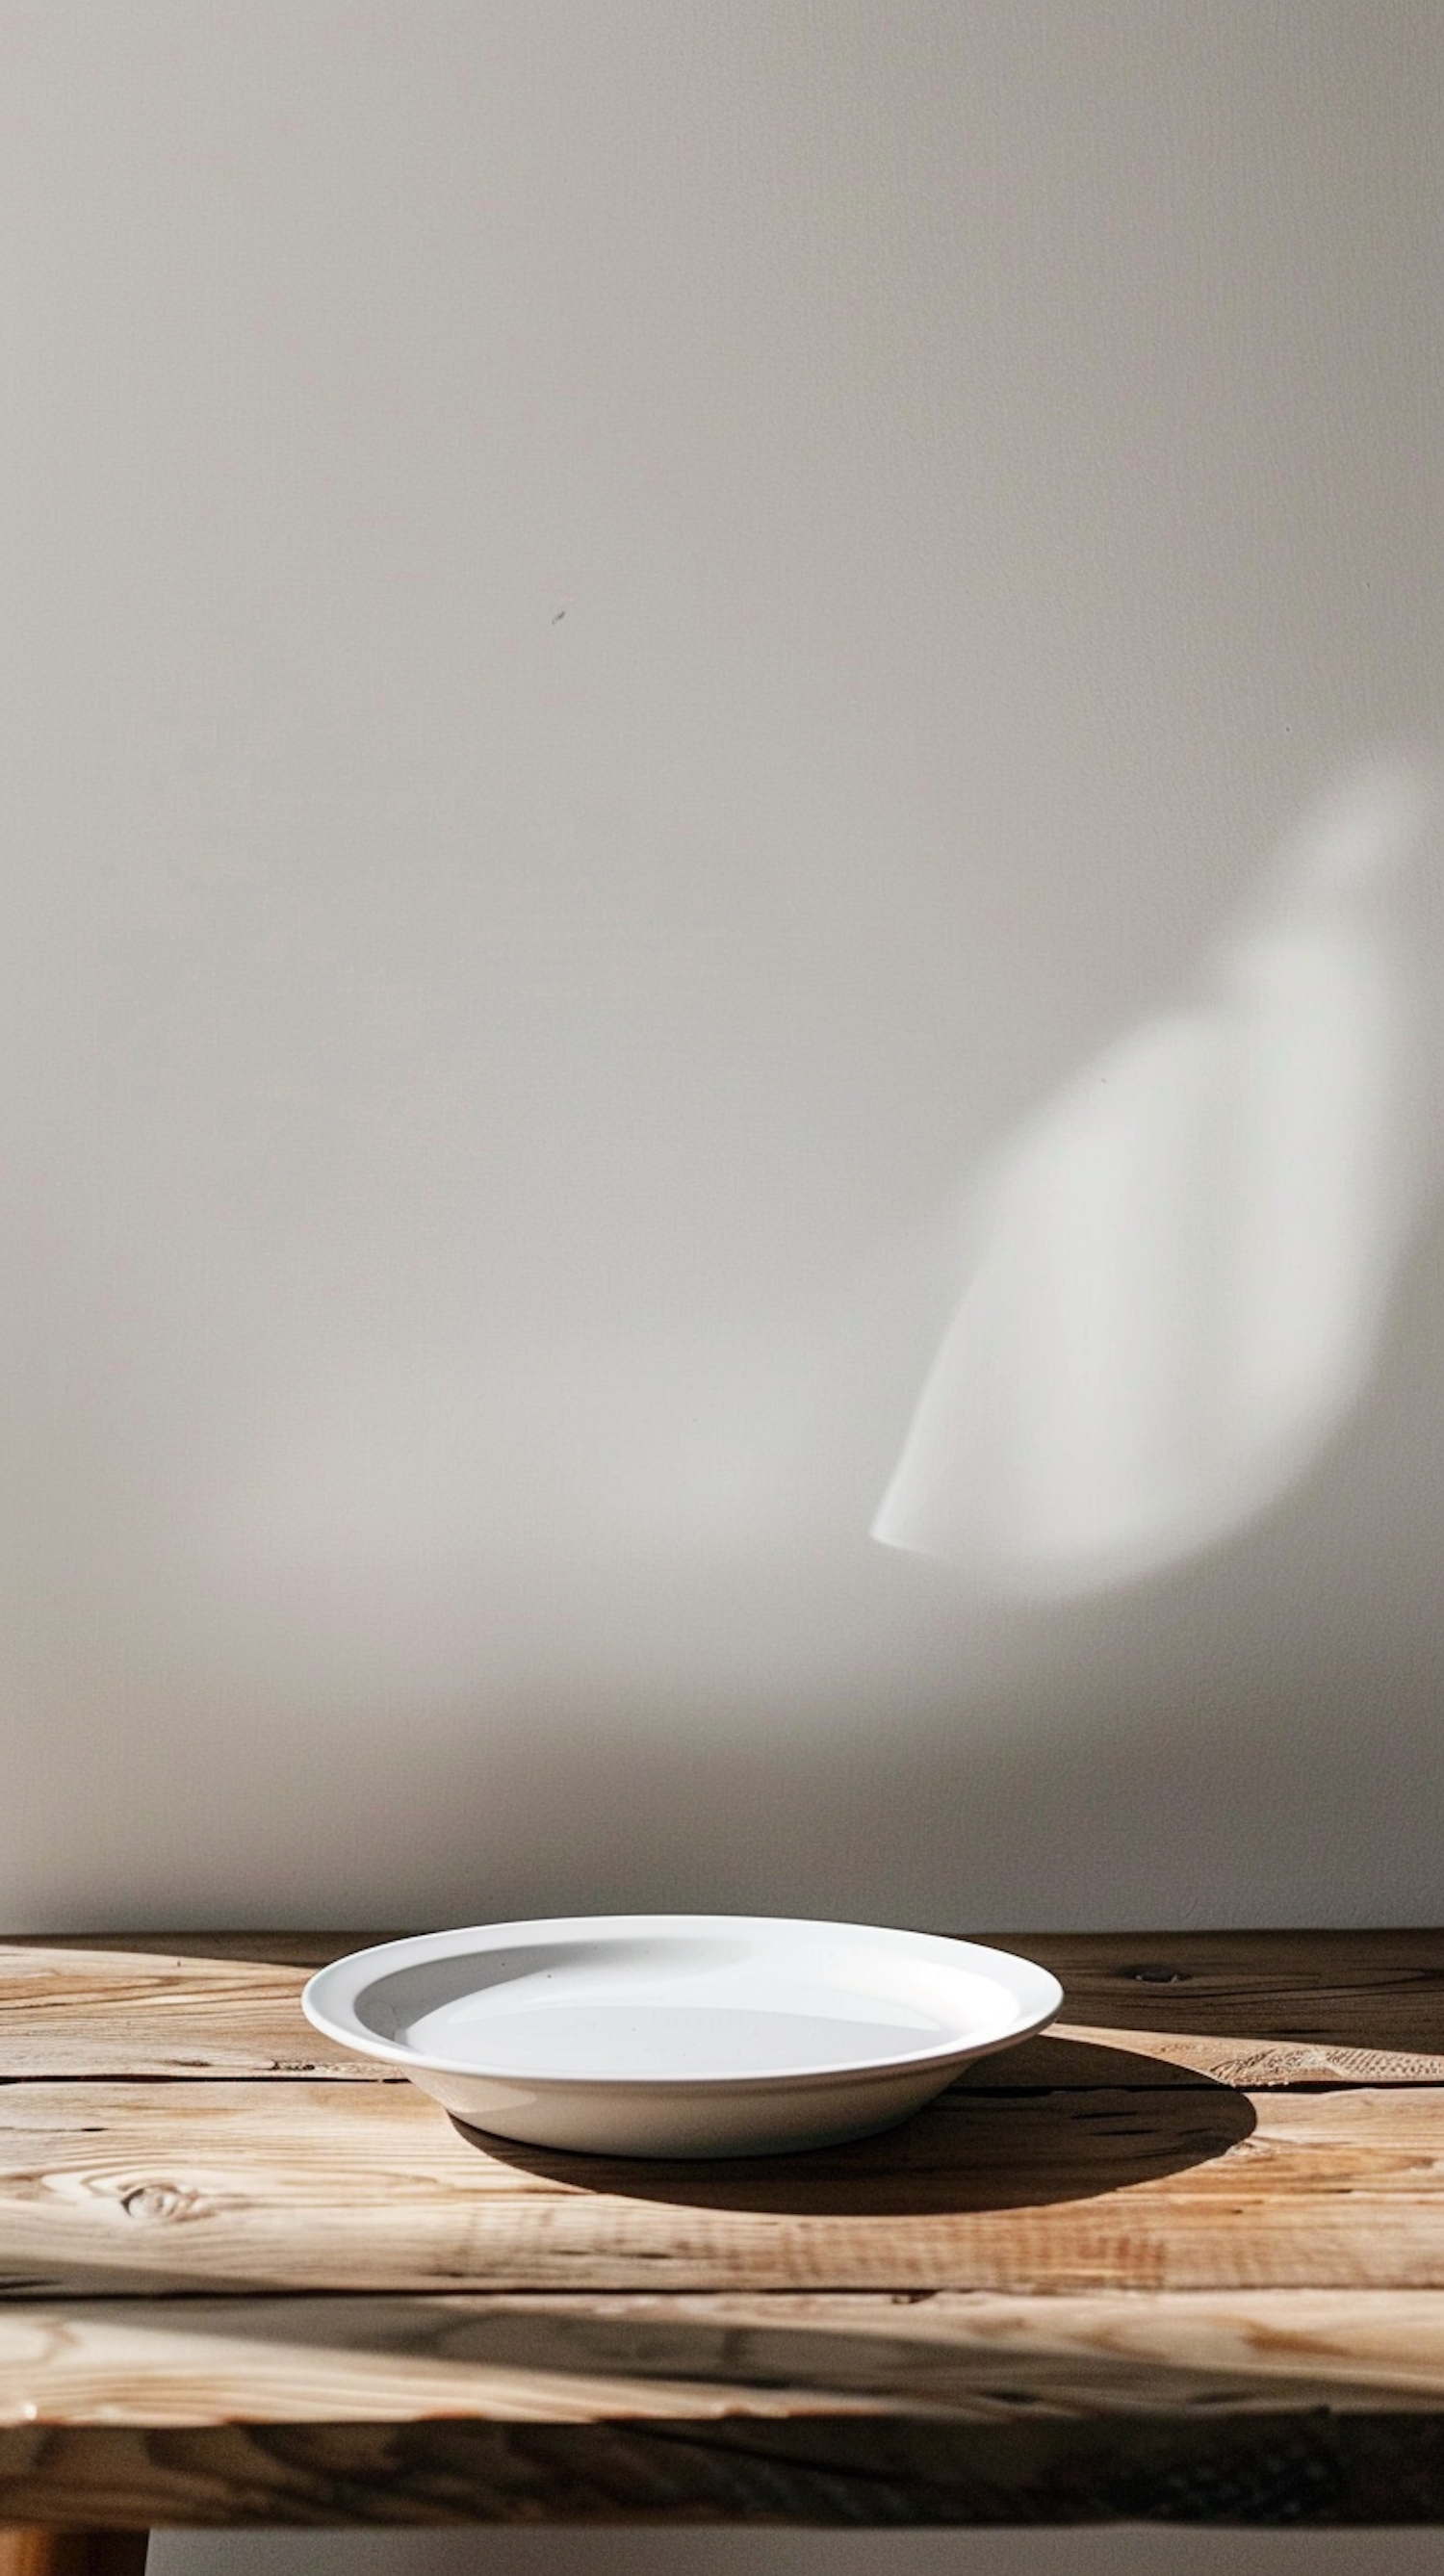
(680, 2034)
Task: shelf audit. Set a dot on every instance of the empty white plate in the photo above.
(680, 2034)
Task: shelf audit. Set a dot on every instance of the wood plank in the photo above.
(69, 2011)
(1364, 1990)
(846, 2471)
(1144, 2267)
(598, 2358)
(143, 2188)
(1252, 2010)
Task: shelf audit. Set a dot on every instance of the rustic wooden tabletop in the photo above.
(1182, 2258)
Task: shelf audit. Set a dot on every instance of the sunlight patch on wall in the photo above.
(1182, 1264)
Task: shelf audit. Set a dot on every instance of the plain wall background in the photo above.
(629, 629)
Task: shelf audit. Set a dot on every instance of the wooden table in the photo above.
(1183, 2258)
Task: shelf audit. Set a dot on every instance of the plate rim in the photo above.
(415, 1947)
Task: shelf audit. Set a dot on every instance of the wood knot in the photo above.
(152, 2201)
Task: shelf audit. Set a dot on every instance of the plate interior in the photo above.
(683, 2006)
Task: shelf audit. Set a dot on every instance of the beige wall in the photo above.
(633, 634)
(643, 643)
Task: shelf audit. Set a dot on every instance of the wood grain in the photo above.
(594, 2358)
(1365, 1989)
(1369, 1991)
(1072, 2053)
(1307, 2009)
(143, 2188)
(1183, 2257)
(66, 2011)
(848, 2470)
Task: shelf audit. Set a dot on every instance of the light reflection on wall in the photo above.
(1182, 1264)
